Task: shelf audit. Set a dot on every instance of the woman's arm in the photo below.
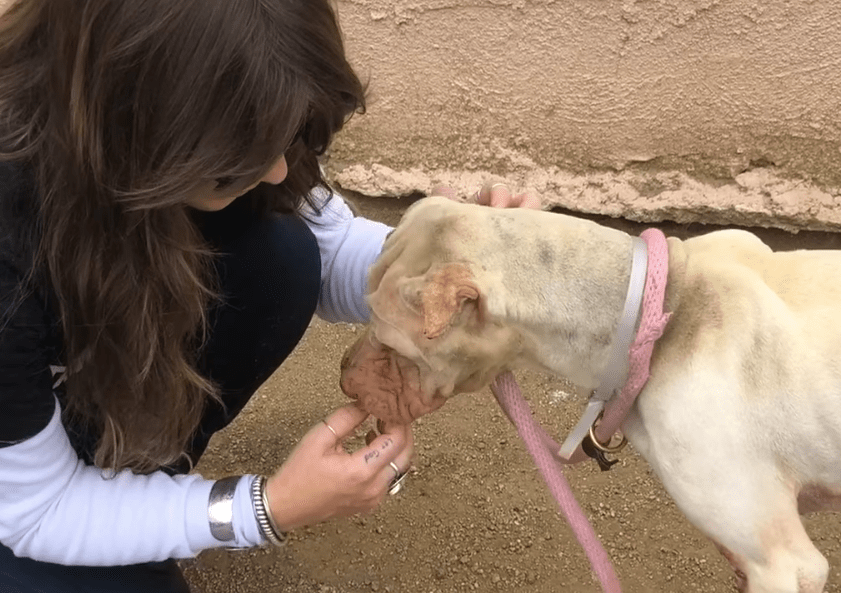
(348, 245)
(56, 509)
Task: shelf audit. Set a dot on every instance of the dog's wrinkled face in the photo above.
(429, 336)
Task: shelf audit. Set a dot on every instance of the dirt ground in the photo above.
(475, 514)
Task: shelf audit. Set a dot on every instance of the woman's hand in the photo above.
(320, 481)
(499, 195)
(496, 195)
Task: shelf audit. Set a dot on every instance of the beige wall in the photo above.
(712, 110)
(717, 110)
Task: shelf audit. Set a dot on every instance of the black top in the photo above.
(30, 336)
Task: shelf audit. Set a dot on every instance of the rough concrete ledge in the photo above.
(755, 198)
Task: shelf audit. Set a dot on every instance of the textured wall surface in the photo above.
(712, 110)
(725, 111)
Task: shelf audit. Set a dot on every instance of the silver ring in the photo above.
(397, 483)
(395, 468)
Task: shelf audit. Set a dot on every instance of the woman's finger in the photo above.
(499, 195)
(382, 449)
(339, 424)
(494, 194)
(528, 201)
(398, 466)
(443, 190)
(401, 456)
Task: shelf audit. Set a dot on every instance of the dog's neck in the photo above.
(564, 294)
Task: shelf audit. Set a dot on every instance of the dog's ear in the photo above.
(443, 295)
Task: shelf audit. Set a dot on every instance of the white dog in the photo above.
(741, 416)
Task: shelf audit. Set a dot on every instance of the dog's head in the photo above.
(430, 335)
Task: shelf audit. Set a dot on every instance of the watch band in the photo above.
(220, 508)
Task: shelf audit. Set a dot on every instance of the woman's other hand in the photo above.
(499, 195)
(496, 195)
(320, 480)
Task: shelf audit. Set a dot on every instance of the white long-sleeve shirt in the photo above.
(55, 508)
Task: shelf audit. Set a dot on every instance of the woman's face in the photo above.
(217, 199)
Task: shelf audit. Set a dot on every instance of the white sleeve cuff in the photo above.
(246, 529)
(57, 509)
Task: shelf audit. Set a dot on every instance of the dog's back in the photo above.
(785, 301)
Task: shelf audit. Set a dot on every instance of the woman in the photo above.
(165, 238)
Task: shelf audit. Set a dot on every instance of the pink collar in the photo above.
(653, 322)
(632, 365)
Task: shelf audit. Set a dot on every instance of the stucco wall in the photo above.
(720, 111)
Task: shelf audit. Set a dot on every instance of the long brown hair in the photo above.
(122, 110)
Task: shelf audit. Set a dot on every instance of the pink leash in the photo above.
(543, 447)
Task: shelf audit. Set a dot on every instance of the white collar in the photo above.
(615, 373)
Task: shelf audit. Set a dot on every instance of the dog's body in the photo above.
(741, 418)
